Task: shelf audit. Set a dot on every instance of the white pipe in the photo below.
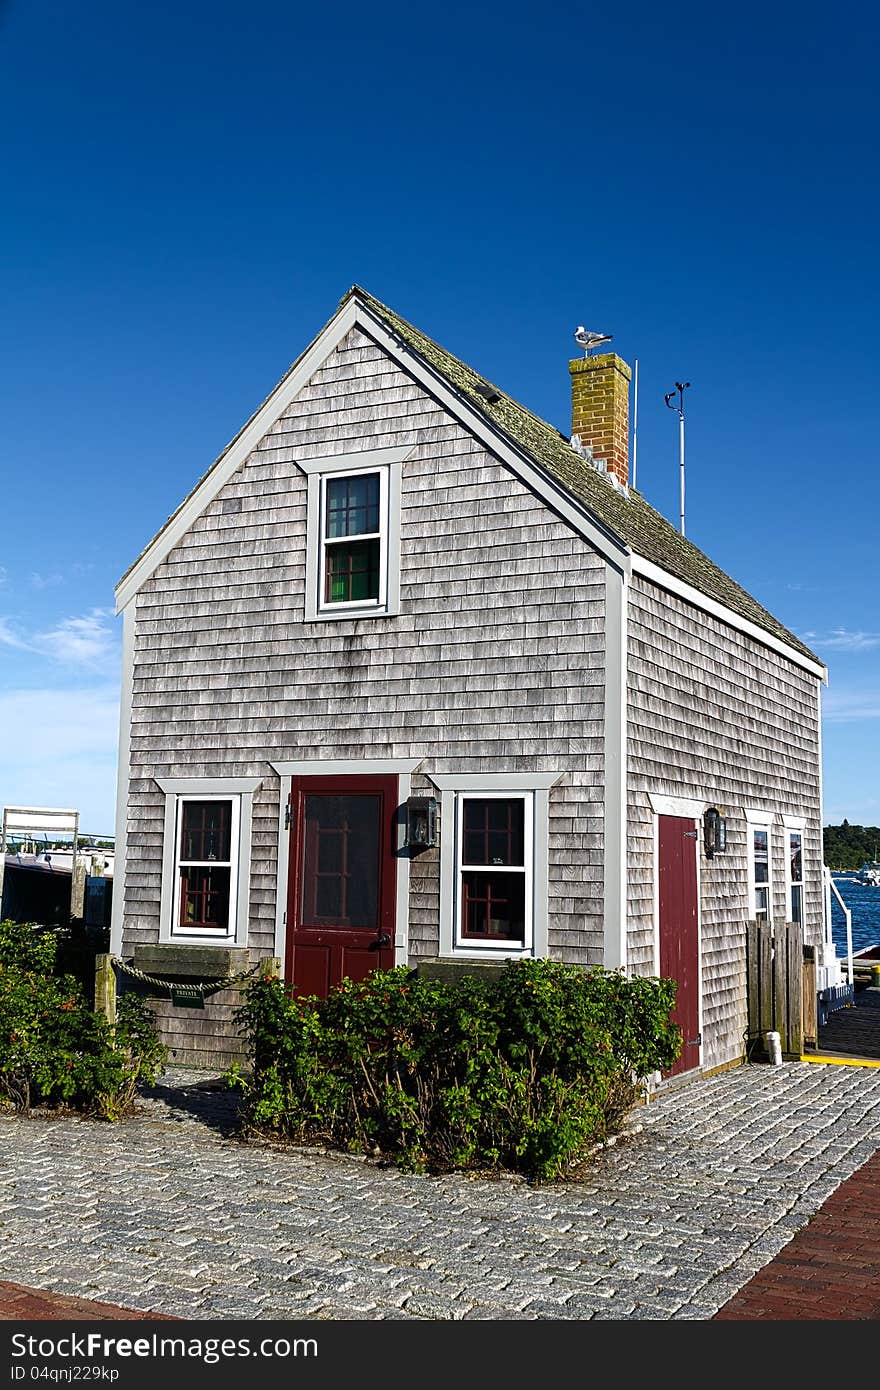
(681, 456)
(636, 424)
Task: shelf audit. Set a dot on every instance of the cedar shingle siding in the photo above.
(718, 717)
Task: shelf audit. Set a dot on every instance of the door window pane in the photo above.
(342, 836)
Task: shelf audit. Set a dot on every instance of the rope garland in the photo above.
(195, 989)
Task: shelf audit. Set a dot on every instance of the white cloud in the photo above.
(840, 639)
(59, 749)
(46, 581)
(87, 642)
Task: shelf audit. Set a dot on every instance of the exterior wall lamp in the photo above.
(714, 832)
(421, 822)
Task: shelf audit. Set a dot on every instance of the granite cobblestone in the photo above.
(166, 1212)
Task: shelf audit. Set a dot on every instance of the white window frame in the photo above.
(534, 789)
(239, 791)
(501, 945)
(759, 820)
(795, 826)
(387, 464)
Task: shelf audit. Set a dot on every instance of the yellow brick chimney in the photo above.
(600, 409)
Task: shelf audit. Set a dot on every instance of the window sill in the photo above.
(351, 614)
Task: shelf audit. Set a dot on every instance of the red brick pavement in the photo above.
(18, 1304)
(831, 1269)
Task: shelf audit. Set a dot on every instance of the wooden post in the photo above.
(105, 988)
(809, 1011)
(77, 888)
(272, 968)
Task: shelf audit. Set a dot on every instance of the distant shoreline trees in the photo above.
(848, 846)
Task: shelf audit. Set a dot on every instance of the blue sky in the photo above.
(189, 189)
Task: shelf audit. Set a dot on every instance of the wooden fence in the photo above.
(774, 972)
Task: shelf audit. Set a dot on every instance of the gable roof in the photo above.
(644, 530)
(626, 519)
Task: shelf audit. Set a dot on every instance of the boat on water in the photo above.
(869, 873)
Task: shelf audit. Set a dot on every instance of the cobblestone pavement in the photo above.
(166, 1212)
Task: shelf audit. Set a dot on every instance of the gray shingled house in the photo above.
(410, 676)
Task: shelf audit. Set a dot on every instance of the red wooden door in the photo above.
(340, 904)
(679, 930)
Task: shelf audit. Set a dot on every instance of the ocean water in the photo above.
(864, 904)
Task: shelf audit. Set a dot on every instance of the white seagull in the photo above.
(588, 340)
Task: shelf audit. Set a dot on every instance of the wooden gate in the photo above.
(774, 965)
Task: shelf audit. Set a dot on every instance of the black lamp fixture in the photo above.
(421, 822)
(714, 831)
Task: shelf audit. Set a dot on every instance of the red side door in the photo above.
(679, 930)
(341, 894)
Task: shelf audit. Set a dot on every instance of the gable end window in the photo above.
(353, 535)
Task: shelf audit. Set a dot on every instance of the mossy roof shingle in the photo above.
(630, 517)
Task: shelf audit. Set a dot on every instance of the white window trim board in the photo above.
(206, 934)
(755, 815)
(123, 778)
(389, 462)
(502, 949)
(242, 788)
(403, 769)
(794, 822)
(690, 807)
(494, 781)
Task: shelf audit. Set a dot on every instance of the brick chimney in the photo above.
(600, 409)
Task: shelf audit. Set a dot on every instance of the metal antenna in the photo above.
(680, 387)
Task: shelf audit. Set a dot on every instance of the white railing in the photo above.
(831, 887)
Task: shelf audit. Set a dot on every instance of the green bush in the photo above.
(54, 1049)
(526, 1072)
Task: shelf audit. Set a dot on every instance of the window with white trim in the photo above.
(493, 873)
(353, 535)
(760, 873)
(354, 540)
(794, 873)
(206, 859)
(206, 866)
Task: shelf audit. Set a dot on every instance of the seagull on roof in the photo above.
(589, 340)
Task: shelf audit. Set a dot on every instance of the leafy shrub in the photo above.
(525, 1072)
(54, 1049)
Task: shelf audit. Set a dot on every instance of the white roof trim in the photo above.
(648, 570)
(355, 315)
(259, 424)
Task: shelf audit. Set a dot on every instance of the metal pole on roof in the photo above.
(636, 423)
(680, 387)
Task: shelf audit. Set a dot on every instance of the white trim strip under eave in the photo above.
(123, 777)
(260, 423)
(657, 575)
